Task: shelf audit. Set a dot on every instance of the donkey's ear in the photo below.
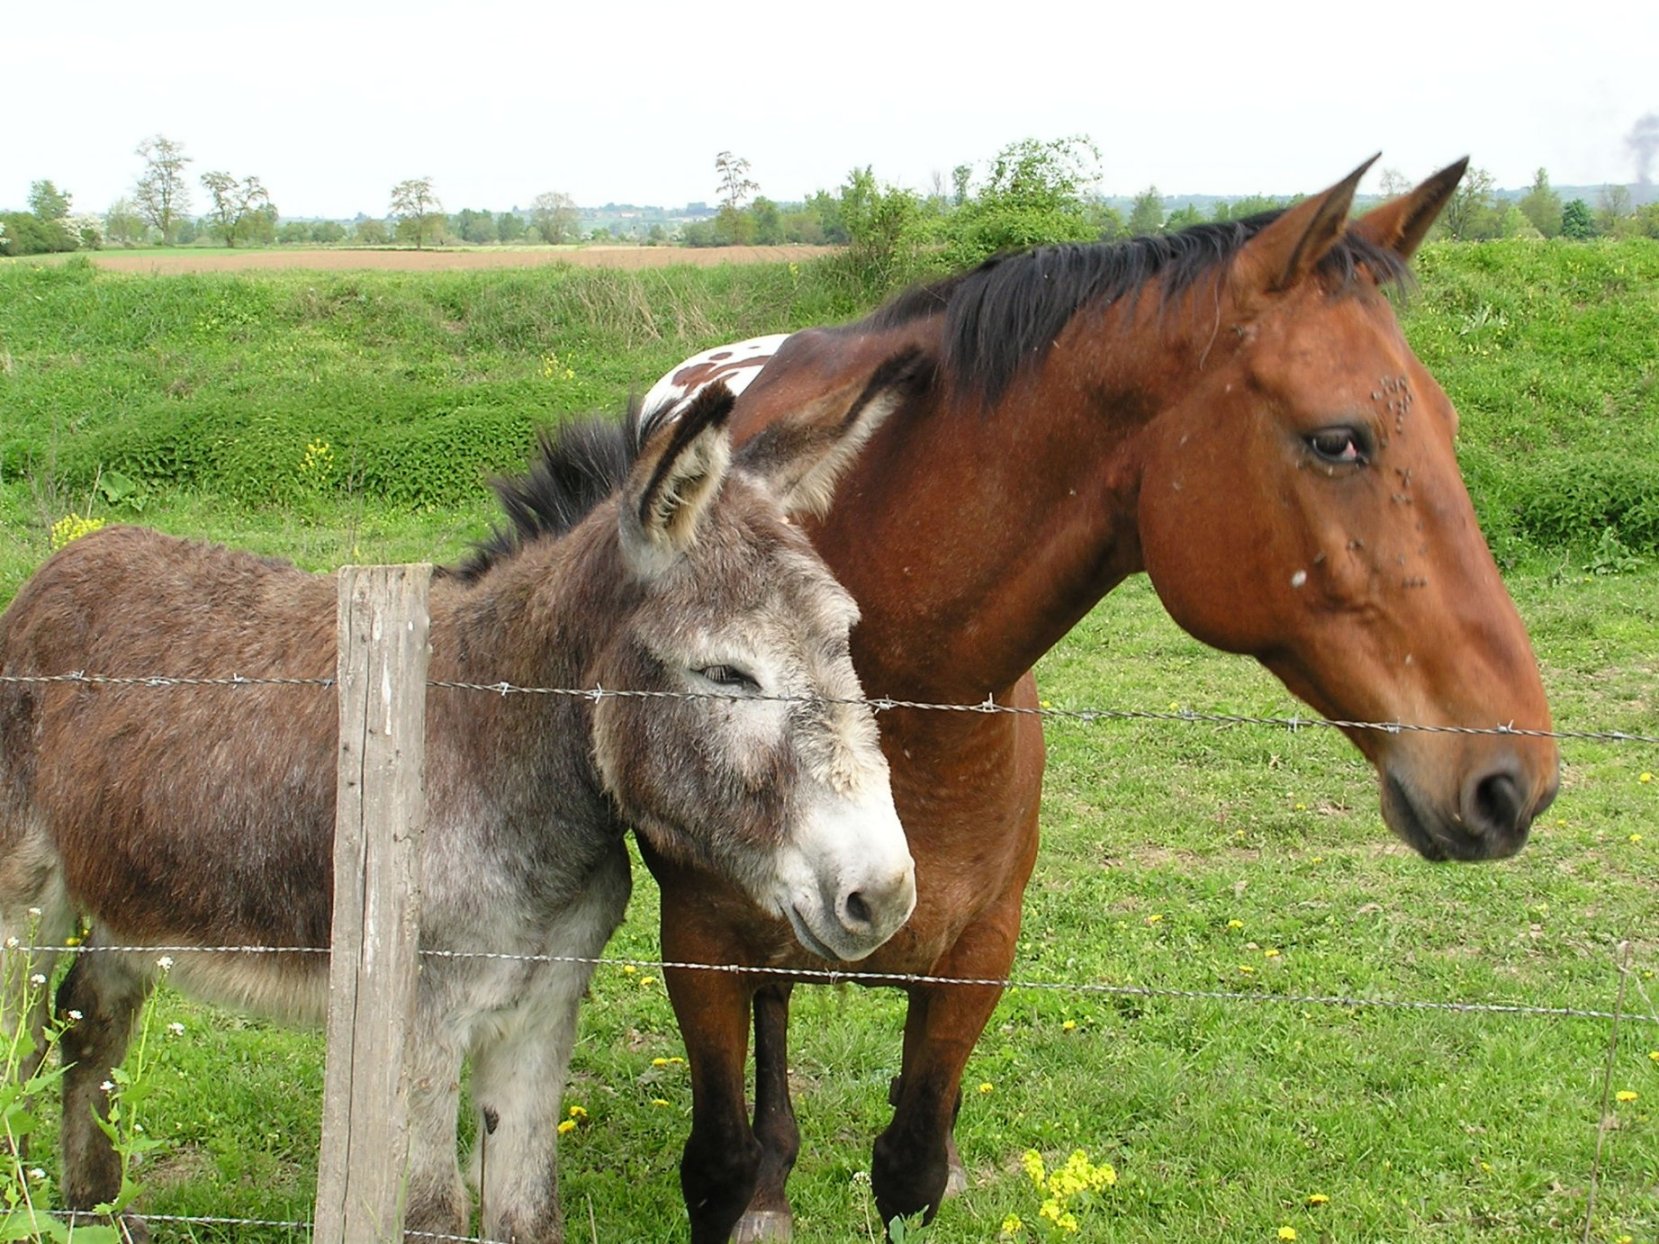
(803, 454)
(1400, 224)
(677, 478)
(1287, 250)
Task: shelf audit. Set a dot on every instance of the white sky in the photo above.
(330, 104)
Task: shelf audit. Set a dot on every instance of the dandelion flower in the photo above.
(1635, 840)
(1271, 953)
(659, 1101)
(1069, 1025)
(984, 1086)
(1246, 969)
(1654, 1055)
(578, 1112)
(1626, 1095)
(1319, 1198)
(1645, 778)
(71, 941)
(1155, 917)
(628, 969)
(1235, 924)
(1287, 1233)
(645, 982)
(566, 1126)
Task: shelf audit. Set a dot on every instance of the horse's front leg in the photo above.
(722, 1158)
(768, 1217)
(915, 1161)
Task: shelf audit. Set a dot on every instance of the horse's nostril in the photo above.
(856, 910)
(1497, 805)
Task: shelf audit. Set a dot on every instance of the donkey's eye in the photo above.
(729, 678)
(1341, 446)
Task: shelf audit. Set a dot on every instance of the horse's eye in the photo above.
(1344, 446)
(729, 677)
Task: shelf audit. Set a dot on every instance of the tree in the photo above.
(1577, 222)
(1542, 206)
(510, 226)
(369, 232)
(47, 201)
(1146, 214)
(1471, 214)
(418, 210)
(1033, 193)
(122, 223)
(1394, 182)
(161, 193)
(735, 185)
(234, 203)
(474, 227)
(554, 218)
(1615, 213)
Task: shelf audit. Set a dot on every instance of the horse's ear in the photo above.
(1287, 250)
(677, 478)
(802, 455)
(1400, 224)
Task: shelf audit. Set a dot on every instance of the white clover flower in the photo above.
(34, 913)
(108, 1086)
(37, 979)
(165, 963)
(176, 1029)
(36, 1174)
(12, 943)
(74, 1016)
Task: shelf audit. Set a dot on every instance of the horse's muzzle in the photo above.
(1489, 819)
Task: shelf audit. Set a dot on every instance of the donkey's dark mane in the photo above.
(1005, 314)
(575, 468)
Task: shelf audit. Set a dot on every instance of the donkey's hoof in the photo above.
(956, 1183)
(764, 1226)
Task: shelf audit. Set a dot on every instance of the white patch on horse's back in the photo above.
(737, 364)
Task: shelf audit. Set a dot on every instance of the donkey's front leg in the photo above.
(437, 1197)
(518, 1077)
(98, 1003)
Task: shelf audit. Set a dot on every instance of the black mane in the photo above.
(575, 467)
(1005, 314)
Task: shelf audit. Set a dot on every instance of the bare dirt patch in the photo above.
(629, 257)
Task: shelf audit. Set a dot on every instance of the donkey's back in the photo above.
(123, 790)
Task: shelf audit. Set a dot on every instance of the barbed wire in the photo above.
(837, 976)
(879, 704)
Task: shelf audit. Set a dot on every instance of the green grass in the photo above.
(1221, 1117)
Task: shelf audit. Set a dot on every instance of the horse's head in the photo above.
(1302, 503)
(772, 775)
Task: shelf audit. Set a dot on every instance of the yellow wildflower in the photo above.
(1032, 1162)
(1235, 924)
(566, 1126)
(1319, 1198)
(1069, 1025)
(1626, 1095)
(578, 1113)
(985, 1086)
(659, 1101)
(1155, 917)
(1012, 1225)
(1645, 778)
(1287, 1233)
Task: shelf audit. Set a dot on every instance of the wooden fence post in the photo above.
(379, 818)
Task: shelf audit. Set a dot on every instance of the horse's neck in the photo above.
(975, 540)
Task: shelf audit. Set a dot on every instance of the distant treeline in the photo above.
(1029, 192)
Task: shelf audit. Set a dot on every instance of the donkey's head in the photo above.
(767, 773)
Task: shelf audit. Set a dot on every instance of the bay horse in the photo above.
(204, 816)
(1230, 409)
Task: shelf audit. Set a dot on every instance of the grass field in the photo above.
(1177, 856)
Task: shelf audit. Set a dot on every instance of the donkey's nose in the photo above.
(876, 907)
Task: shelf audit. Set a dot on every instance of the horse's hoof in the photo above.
(764, 1226)
(956, 1183)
